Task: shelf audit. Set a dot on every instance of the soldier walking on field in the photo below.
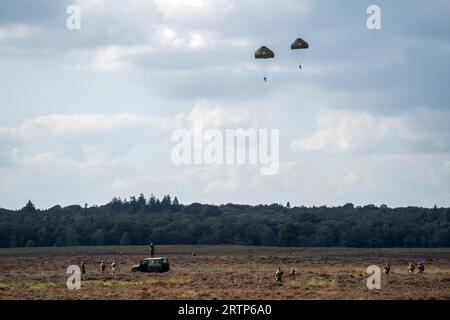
(278, 275)
(152, 250)
(421, 267)
(102, 267)
(292, 273)
(83, 267)
(411, 267)
(113, 267)
(387, 269)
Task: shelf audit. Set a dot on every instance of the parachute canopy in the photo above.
(264, 53)
(299, 44)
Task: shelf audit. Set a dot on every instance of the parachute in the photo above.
(299, 44)
(262, 54)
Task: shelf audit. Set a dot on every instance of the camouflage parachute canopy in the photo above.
(264, 53)
(299, 44)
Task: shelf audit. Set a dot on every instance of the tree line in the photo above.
(139, 221)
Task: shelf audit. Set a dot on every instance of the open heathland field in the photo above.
(223, 272)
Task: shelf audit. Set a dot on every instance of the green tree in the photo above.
(355, 237)
(71, 236)
(325, 237)
(176, 205)
(166, 203)
(152, 203)
(59, 242)
(98, 238)
(30, 243)
(288, 235)
(197, 223)
(13, 241)
(124, 239)
(409, 241)
(211, 211)
(141, 201)
(29, 207)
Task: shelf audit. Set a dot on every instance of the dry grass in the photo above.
(237, 273)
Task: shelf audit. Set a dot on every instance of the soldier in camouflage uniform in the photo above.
(292, 273)
(102, 267)
(152, 250)
(278, 274)
(411, 267)
(83, 267)
(113, 267)
(421, 267)
(387, 269)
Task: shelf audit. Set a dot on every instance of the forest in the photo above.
(140, 221)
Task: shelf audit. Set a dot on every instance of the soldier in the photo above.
(411, 267)
(387, 268)
(152, 250)
(278, 274)
(421, 267)
(102, 267)
(83, 267)
(292, 273)
(113, 267)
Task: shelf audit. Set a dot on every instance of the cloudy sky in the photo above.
(88, 114)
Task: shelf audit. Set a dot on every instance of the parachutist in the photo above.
(299, 44)
(262, 54)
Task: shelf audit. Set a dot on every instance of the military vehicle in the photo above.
(152, 265)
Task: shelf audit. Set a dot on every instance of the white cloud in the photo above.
(228, 185)
(210, 180)
(96, 139)
(184, 9)
(6, 134)
(66, 125)
(349, 131)
(163, 40)
(90, 138)
(321, 69)
(180, 51)
(167, 5)
(10, 141)
(112, 58)
(167, 37)
(209, 115)
(312, 180)
(397, 180)
(17, 32)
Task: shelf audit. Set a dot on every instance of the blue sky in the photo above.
(88, 114)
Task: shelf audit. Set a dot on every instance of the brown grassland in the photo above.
(223, 272)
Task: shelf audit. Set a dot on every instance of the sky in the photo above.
(88, 114)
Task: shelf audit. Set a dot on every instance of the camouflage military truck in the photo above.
(152, 265)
